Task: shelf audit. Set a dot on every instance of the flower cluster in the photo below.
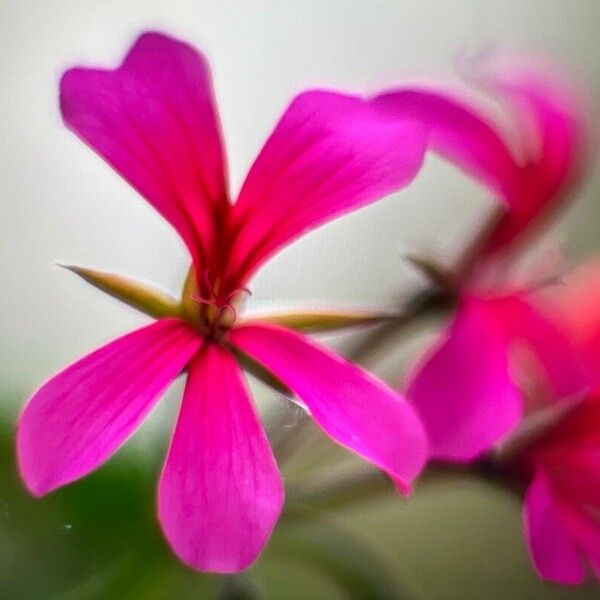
(514, 348)
(515, 374)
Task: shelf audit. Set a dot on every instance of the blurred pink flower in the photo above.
(154, 121)
(561, 515)
(464, 390)
(562, 467)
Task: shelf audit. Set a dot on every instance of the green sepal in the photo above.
(141, 296)
(315, 321)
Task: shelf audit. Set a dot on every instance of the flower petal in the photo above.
(462, 391)
(220, 492)
(534, 324)
(328, 155)
(578, 453)
(350, 405)
(586, 530)
(550, 113)
(153, 119)
(551, 545)
(578, 301)
(554, 145)
(80, 417)
(458, 133)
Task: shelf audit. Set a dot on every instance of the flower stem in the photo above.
(354, 486)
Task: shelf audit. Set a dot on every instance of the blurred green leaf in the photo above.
(345, 559)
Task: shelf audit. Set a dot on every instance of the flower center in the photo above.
(208, 305)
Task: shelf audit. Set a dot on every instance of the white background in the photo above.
(59, 202)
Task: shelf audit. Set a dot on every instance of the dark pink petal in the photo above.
(328, 155)
(586, 530)
(542, 334)
(153, 119)
(549, 112)
(551, 544)
(463, 391)
(350, 405)
(579, 460)
(80, 417)
(579, 303)
(220, 492)
(458, 133)
(575, 442)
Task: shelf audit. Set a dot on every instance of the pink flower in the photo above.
(562, 503)
(154, 121)
(464, 390)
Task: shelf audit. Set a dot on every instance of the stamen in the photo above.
(239, 290)
(201, 300)
(229, 307)
(217, 302)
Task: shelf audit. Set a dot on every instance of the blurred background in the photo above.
(459, 538)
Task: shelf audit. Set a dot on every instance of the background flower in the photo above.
(464, 389)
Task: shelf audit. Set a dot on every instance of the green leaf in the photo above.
(339, 555)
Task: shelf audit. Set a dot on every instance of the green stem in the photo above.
(423, 304)
(361, 485)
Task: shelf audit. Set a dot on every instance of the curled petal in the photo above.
(220, 492)
(153, 119)
(80, 417)
(328, 155)
(457, 132)
(552, 148)
(350, 405)
(551, 114)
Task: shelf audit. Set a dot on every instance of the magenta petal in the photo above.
(80, 417)
(153, 119)
(525, 323)
(556, 138)
(462, 391)
(458, 133)
(552, 547)
(552, 148)
(328, 155)
(586, 530)
(220, 492)
(350, 405)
